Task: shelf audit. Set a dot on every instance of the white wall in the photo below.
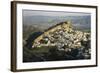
(5, 37)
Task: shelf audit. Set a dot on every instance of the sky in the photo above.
(52, 13)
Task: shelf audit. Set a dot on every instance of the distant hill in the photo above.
(48, 21)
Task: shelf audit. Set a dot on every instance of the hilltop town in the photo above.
(64, 37)
(69, 44)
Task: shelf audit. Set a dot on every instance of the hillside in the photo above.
(61, 42)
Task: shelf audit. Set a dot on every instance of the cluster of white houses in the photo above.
(63, 36)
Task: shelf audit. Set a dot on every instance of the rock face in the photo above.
(66, 39)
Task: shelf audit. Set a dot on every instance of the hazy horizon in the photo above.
(50, 18)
